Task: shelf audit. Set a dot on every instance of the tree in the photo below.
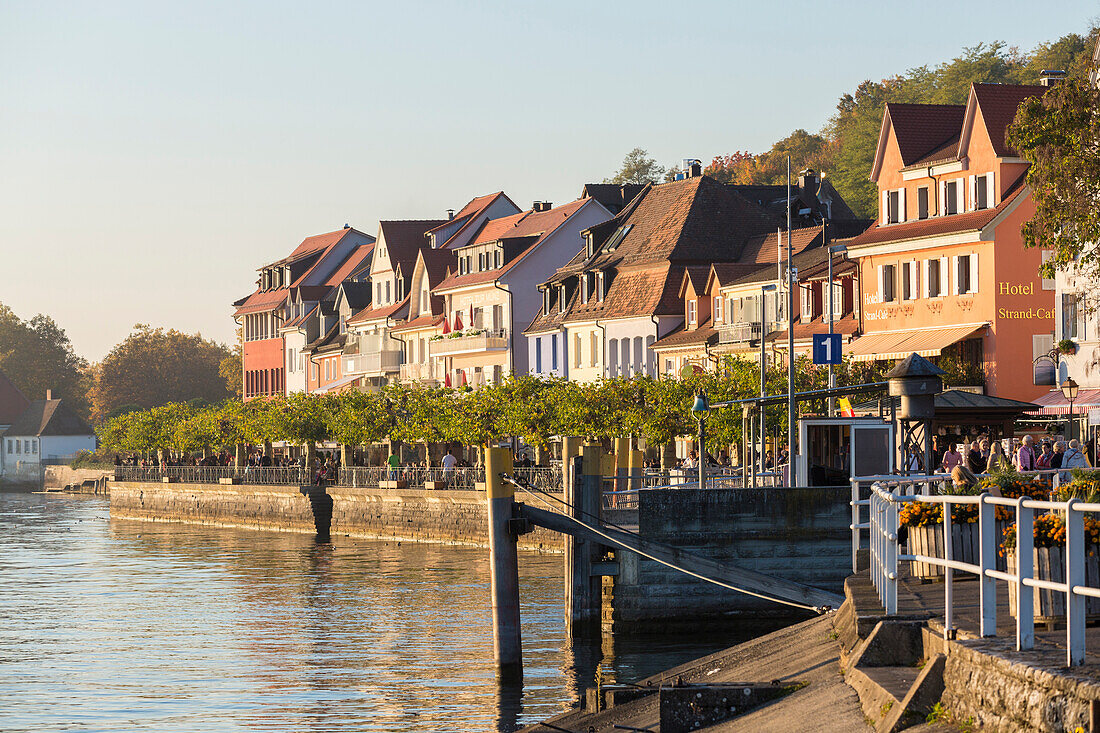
(231, 369)
(153, 367)
(637, 167)
(37, 355)
(1059, 135)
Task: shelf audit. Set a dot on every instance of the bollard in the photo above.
(636, 469)
(622, 463)
(503, 566)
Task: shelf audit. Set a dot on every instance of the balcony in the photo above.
(378, 362)
(744, 332)
(471, 341)
(430, 372)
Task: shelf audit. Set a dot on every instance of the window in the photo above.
(908, 280)
(966, 274)
(9, 446)
(838, 299)
(922, 202)
(290, 361)
(584, 287)
(26, 446)
(612, 357)
(887, 283)
(981, 193)
(313, 371)
(594, 345)
(554, 352)
(692, 315)
(1048, 282)
(806, 294)
(538, 354)
(561, 299)
(932, 276)
(599, 287)
(378, 293)
(717, 309)
(387, 291)
(498, 258)
(576, 350)
(1044, 370)
(894, 215)
(328, 370)
(34, 447)
(480, 261)
(952, 192)
(18, 447)
(1069, 315)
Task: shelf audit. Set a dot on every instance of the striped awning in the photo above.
(338, 385)
(1055, 403)
(900, 344)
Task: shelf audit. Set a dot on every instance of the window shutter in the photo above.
(973, 193)
(901, 204)
(957, 290)
(959, 195)
(881, 285)
(914, 279)
(943, 198)
(945, 277)
(885, 207)
(990, 190)
(974, 272)
(927, 278)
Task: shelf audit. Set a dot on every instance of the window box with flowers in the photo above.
(1050, 564)
(1067, 346)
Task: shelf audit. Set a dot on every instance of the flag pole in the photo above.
(790, 337)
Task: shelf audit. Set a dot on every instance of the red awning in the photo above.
(1055, 403)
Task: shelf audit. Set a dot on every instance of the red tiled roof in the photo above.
(999, 104)
(764, 249)
(921, 128)
(936, 225)
(727, 272)
(420, 322)
(262, 301)
(947, 152)
(704, 335)
(386, 311)
(404, 240)
(471, 211)
(354, 261)
(316, 243)
(846, 326)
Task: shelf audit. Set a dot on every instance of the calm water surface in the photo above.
(118, 625)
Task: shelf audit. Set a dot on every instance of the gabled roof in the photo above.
(356, 260)
(356, 294)
(999, 104)
(612, 196)
(470, 212)
(697, 276)
(937, 225)
(48, 417)
(12, 402)
(316, 243)
(294, 323)
(765, 249)
(404, 240)
(726, 273)
(385, 311)
(680, 337)
(921, 128)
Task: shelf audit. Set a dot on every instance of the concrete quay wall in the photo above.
(447, 517)
(795, 534)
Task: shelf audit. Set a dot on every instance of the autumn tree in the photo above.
(154, 366)
(37, 355)
(1059, 135)
(637, 167)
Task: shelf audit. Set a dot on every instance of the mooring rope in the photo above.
(533, 491)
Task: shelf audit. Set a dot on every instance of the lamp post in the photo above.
(699, 411)
(834, 249)
(764, 290)
(1069, 391)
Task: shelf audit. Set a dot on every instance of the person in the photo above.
(448, 463)
(1042, 460)
(1073, 458)
(996, 458)
(691, 461)
(953, 457)
(1059, 454)
(962, 478)
(975, 461)
(1025, 457)
(394, 462)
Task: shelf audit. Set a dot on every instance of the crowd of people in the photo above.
(985, 455)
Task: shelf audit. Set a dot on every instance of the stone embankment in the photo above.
(448, 517)
(76, 480)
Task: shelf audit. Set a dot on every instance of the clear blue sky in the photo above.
(153, 154)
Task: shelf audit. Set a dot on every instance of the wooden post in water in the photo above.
(636, 469)
(582, 590)
(622, 463)
(503, 566)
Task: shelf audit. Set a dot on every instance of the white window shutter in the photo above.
(881, 285)
(924, 284)
(901, 204)
(974, 272)
(990, 190)
(943, 198)
(960, 196)
(885, 207)
(945, 277)
(914, 280)
(973, 189)
(955, 274)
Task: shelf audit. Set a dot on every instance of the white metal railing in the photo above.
(742, 331)
(421, 372)
(883, 525)
(387, 360)
(470, 340)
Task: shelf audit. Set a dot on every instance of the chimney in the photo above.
(1051, 77)
(541, 206)
(347, 226)
(807, 181)
(450, 214)
(695, 169)
(49, 394)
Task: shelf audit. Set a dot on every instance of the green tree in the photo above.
(637, 167)
(154, 366)
(37, 355)
(1059, 135)
(231, 369)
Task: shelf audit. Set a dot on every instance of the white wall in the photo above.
(544, 342)
(295, 380)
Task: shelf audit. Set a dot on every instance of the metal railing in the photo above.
(387, 360)
(421, 372)
(478, 340)
(272, 475)
(742, 331)
(883, 525)
(453, 479)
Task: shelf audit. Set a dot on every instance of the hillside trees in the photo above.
(37, 355)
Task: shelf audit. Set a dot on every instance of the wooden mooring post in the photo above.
(582, 589)
(503, 565)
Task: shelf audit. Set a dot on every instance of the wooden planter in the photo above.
(1050, 564)
(928, 540)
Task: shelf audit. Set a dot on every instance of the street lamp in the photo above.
(699, 411)
(1069, 391)
(834, 249)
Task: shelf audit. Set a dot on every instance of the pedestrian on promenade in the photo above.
(953, 457)
(394, 462)
(1073, 458)
(448, 463)
(1043, 459)
(1025, 457)
(975, 461)
(1059, 454)
(997, 459)
(963, 479)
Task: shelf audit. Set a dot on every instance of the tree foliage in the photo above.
(637, 167)
(36, 355)
(154, 367)
(1059, 135)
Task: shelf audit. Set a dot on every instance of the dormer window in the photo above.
(588, 244)
(498, 258)
(617, 238)
(561, 298)
(599, 286)
(693, 312)
(807, 295)
(717, 307)
(546, 298)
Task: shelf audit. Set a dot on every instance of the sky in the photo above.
(153, 155)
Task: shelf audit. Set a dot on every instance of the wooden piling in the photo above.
(503, 565)
(582, 590)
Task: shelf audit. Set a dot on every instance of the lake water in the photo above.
(113, 625)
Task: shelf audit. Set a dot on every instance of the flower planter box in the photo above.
(435, 485)
(1050, 564)
(928, 541)
(393, 484)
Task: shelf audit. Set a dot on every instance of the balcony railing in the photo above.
(376, 362)
(421, 372)
(470, 341)
(737, 333)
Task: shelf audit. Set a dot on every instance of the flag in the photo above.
(845, 406)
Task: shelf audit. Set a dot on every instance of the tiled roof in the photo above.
(262, 301)
(386, 311)
(48, 417)
(921, 128)
(949, 151)
(360, 256)
(12, 401)
(704, 335)
(764, 249)
(697, 276)
(999, 104)
(307, 293)
(404, 239)
(316, 243)
(612, 196)
(936, 225)
(470, 212)
(727, 272)
(326, 339)
(767, 272)
(847, 326)
(420, 322)
(436, 264)
(356, 294)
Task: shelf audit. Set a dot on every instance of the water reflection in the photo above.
(117, 624)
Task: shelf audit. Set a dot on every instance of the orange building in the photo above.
(944, 271)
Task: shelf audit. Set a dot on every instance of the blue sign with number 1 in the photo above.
(827, 348)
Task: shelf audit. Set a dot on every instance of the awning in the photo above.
(337, 385)
(900, 344)
(1055, 403)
